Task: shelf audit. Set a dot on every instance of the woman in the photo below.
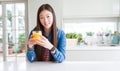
(53, 43)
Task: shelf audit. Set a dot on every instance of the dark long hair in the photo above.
(41, 28)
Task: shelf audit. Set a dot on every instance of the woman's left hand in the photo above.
(44, 42)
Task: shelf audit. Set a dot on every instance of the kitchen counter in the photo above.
(65, 66)
(94, 47)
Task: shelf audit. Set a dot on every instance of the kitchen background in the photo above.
(94, 25)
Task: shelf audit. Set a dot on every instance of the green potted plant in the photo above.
(0, 40)
(89, 33)
(21, 43)
(79, 38)
(10, 45)
(89, 40)
(71, 35)
(71, 39)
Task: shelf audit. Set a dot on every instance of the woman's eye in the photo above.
(48, 16)
(41, 17)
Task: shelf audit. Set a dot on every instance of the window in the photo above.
(14, 31)
(1, 31)
(15, 28)
(95, 25)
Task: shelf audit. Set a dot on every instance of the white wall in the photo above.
(33, 6)
(75, 9)
(91, 8)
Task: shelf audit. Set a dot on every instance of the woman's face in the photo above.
(46, 19)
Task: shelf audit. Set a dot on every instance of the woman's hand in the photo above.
(31, 41)
(44, 42)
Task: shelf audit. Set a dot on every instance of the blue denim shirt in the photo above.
(59, 56)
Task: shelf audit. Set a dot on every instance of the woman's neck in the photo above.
(47, 31)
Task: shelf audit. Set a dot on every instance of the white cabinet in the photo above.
(93, 54)
(91, 8)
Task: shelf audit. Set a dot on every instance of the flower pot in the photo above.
(23, 50)
(71, 42)
(10, 51)
(89, 40)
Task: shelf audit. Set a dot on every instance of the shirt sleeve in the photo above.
(31, 55)
(61, 49)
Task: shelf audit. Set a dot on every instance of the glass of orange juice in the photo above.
(37, 35)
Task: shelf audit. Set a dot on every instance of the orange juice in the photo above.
(37, 34)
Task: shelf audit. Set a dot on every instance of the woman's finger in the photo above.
(44, 38)
(31, 36)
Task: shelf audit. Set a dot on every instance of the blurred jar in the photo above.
(115, 38)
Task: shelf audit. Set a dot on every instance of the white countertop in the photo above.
(65, 66)
(94, 47)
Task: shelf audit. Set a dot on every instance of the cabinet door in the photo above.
(91, 8)
(92, 55)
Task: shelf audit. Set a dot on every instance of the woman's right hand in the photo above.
(31, 42)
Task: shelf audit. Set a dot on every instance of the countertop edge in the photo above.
(93, 48)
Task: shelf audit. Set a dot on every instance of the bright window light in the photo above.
(90, 26)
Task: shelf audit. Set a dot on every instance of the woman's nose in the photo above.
(45, 20)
